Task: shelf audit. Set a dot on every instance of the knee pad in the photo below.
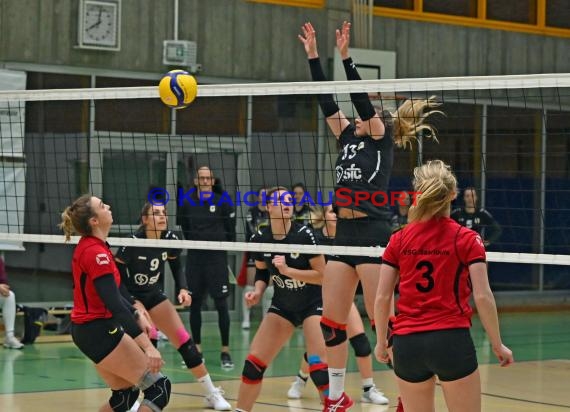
(334, 333)
(123, 400)
(361, 345)
(253, 370)
(190, 354)
(157, 396)
(319, 372)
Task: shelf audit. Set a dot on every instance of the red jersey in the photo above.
(433, 258)
(92, 258)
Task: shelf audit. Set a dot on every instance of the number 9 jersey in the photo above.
(433, 258)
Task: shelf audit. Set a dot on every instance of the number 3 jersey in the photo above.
(433, 258)
(146, 265)
(290, 294)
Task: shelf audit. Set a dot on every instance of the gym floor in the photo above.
(56, 376)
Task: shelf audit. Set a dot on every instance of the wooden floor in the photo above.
(56, 377)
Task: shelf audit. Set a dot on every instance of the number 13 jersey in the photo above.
(433, 258)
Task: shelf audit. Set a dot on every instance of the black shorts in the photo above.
(150, 298)
(361, 232)
(98, 338)
(298, 317)
(449, 354)
(207, 271)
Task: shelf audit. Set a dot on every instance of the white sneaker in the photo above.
(296, 389)
(373, 395)
(13, 343)
(245, 325)
(216, 401)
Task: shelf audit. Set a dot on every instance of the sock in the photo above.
(8, 305)
(336, 383)
(206, 383)
(367, 384)
(303, 375)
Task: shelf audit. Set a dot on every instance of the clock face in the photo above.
(100, 23)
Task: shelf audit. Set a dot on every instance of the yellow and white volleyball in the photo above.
(177, 89)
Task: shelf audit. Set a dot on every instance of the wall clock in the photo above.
(100, 24)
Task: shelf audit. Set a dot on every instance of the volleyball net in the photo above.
(508, 137)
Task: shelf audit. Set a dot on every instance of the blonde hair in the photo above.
(409, 120)
(436, 186)
(75, 218)
(317, 217)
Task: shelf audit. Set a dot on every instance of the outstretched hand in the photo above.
(343, 39)
(309, 40)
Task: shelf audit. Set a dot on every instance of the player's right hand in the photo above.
(155, 361)
(252, 298)
(309, 40)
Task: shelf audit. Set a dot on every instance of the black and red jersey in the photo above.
(92, 258)
(433, 258)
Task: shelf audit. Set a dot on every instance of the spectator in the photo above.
(8, 304)
(205, 217)
(400, 218)
(479, 220)
(302, 211)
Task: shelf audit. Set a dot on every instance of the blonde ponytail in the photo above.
(409, 120)
(436, 186)
(75, 218)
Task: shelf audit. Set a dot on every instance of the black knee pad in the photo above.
(334, 333)
(156, 397)
(319, 372)
(361, 345)
(123, 399)
(190, 354)
(253, 370)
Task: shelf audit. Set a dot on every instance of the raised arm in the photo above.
(371, 122)
(336, 119)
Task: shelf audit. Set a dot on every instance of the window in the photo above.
(558, 13)
(520, 11)
(395, 4)
(466, 8)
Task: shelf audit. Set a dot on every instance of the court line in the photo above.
(278, 405)
(511, 398)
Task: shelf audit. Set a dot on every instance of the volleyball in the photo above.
(177, 89)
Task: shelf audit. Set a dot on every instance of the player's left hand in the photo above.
(381, 351)
(184, 298)
(280, 263)
(4, 289)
